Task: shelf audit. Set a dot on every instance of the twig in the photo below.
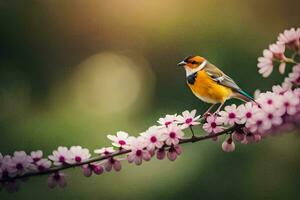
(121, 152)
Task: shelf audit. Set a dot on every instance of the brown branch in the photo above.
(121, 152)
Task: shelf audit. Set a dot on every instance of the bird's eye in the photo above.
(194, 62)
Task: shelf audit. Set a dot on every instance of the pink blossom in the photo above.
(42, 164)
(160, 154)
(277, 50)
(153, 137)
(265, 63)
(121, 140)
(290, 103)
(270, 100)
(138, 152)
(290, 38)
(21, 162)
(36, 155)
(294, 76)
(230, 115)
(258, 123)
(7, 166)
(188, 119)
(97, 168)
(60, 156)
(238, 136)
(168, 120)
(246, 111)
(228, 145)
(87, 170)
(172, 134)
(273, 116)
(105, 151)
(277, 89)
(112, 163)
(55, 179)
(212, 124)
(78, 154)
(173, 152)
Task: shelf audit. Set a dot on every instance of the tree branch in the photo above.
(121, 152)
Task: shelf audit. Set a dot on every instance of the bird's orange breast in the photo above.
(208, 90)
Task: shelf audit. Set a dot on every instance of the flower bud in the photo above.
(228, 145)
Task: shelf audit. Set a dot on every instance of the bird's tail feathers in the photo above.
(245, 97)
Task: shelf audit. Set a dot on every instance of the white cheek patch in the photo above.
(190, 71)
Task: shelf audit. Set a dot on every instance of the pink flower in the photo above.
(42, 164)
(290, 103)
(60, 156)
(228, 145)
(277, 89)
(278, 51)
(121, 140)
(94, 167)
(112, 163)
(160, 154)
(55, 179)
(258, 123)
(21, 162)
(167, 120)
(172, 134)
(212, 124)
(290, 38)
(138, 152)
(294, 76)
(97, 168)
(273, 116)
(78, 154)
(230, 115)
(173, 152)
(238, 136)
(36, 155)
(87, 170)
(270, 100)
(188, 119)
(153, 137)
(6, 166)
(246, 111)
(265, 63)
(105, 151)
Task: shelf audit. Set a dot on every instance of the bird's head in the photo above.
(193, 64)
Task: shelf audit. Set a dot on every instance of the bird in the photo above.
(210, 84)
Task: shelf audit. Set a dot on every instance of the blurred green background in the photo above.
(73, 71)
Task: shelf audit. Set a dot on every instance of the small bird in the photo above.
(210, 84)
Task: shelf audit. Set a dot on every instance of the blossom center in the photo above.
(168, 123)
(189, 120)
(153, 139)
(35, 159)
(286, 104)
(19, 166)
(122, 142)
(231, 115)
(61, 159)
(270, 116)
(41, 168)
(213, 125)
(138, 152)
(248, 114)
(269, 101)
(78, 159)
(172, 135)
(259, 122)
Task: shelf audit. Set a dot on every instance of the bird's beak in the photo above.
(182, 63)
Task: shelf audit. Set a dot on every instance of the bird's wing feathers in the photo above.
(220, 77)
